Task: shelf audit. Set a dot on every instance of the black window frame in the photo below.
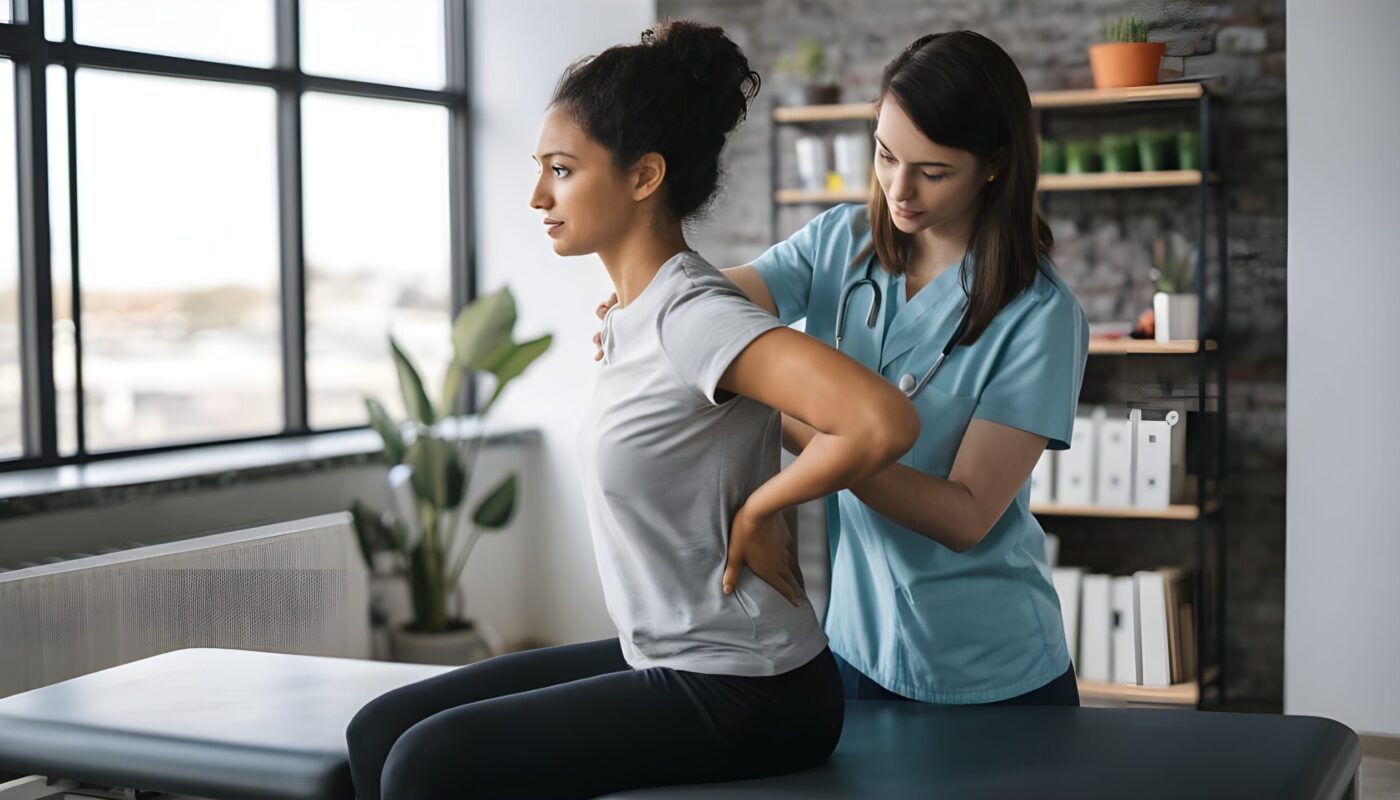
(24, 43)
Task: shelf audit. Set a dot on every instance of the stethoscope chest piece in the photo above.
(906, 383)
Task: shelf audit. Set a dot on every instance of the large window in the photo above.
(223, 210)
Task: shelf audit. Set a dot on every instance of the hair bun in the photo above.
(716, 64)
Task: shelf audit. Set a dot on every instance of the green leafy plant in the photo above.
(431, 535)
(806, 60)
(1171, 266)
(1125, 29)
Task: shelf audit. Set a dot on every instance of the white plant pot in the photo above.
(1177, 316)
(453, 648)
(812, 163)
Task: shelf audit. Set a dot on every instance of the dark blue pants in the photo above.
(577, 721)
(1062, 691)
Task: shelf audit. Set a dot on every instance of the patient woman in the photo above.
(717, 673)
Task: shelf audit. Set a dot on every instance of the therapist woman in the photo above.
(940, 587)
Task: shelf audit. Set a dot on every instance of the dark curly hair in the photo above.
(679, 93)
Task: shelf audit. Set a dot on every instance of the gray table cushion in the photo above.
(906, 750)
(214, 723)
(232, 724)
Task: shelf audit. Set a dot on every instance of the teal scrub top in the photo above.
(919, 619)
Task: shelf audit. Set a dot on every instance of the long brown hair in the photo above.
(963, 91)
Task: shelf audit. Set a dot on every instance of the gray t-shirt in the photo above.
(666, 463)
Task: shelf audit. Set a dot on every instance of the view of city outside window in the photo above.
(404, 36)
(179, 262)
(233, 31)
(11, 430)
(377, 248)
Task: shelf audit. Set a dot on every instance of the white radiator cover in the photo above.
(294, 587)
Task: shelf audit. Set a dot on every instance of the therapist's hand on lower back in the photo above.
(766, 546)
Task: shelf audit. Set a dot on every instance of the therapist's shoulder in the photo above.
(1049, 301)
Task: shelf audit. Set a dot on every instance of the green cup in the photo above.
(1188, 150)
(1120, 152)
(1155, 150)
(1052, 158)
(1081, 157)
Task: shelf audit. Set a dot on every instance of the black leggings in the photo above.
(577, 721)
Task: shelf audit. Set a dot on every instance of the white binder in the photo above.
(1161, 457)
(1125, 640)
(1068, 583)
(1043, 479)
(1115, 462)
(1158, 611)
(1095, 629)
(1074, 468)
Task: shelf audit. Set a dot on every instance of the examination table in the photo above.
(231, 724)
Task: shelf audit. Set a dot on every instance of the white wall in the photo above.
(1342, 609)
(519, 49)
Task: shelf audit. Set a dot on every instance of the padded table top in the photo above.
(241, 725)
(207, 722)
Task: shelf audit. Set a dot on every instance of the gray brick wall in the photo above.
(1103, 240)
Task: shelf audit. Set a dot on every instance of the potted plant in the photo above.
(1081, 157)
(1154, 150)
(1188, 150)
(1175, 308)
(810, 75)
(1125, 57)
(429, 534)
(1120, 152)
(1052, 157)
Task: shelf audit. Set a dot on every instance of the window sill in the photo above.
(219, 465)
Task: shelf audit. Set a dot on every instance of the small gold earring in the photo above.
(991, 178)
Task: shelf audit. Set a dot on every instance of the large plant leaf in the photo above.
(438, 475)
(497, 509)
(451, 385)
(388, 431)
(521, 356)
(481, 333)
(415, 399)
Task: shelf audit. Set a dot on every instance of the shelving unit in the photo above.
(1204, 354)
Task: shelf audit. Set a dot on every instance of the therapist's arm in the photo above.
(991, 466)
(746, 278)
(859, 425)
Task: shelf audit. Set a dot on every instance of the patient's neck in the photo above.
(638, 255)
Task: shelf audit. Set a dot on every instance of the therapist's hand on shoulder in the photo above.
(763, 543)
(602, 312)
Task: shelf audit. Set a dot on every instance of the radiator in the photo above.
(294, 587)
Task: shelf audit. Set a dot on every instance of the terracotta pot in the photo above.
(459, 646)
(1118, 64)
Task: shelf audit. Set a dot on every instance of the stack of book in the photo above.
(1129, 629)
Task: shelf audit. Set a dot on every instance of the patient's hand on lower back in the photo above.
(602, 312)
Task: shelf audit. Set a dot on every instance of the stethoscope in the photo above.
(907, 383)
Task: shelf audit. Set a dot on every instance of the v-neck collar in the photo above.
(910, 323)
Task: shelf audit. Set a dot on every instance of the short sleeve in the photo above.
(787, 266)
(706, 326)
(1035, 383)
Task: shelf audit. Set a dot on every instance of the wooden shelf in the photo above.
(1121, 180)
(839, 112)
(1176, 512)
(1048, 183)
(1073, 98)
(798, 196)
(1126, 346)
(1181, 694)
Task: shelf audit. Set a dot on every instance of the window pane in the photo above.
(235, 31)
(65, 352)
(179, 260)
(53, 20)
(6, 12)
(377, 250)
(386, 41)
(11, 422)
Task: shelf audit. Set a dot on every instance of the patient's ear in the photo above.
(646, 175)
